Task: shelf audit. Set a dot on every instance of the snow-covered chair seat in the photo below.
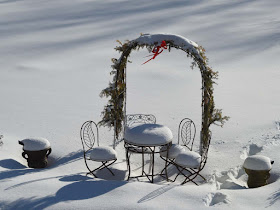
(188, 159)
(106, 155)
(103, 153)
(190, 164)
(173, 152)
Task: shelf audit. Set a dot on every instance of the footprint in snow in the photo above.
(251, 149)
(216, 199)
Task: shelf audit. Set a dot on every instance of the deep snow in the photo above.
(55, 59)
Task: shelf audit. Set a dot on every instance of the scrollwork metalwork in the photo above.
(133, 119)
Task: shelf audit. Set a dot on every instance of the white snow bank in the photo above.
(35, 144)
(257, 162)
(148, 134)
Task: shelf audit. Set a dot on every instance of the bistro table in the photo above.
(147, 139)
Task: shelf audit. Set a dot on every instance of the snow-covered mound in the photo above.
(148, 134)
(35, 144)
(257, 162)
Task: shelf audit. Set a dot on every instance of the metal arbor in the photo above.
(115, 111)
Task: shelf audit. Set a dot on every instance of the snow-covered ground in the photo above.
(55, 58)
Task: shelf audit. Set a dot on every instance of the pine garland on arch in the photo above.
(114, 112)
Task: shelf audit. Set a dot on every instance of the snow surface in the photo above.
(55, 59)
(35, 144)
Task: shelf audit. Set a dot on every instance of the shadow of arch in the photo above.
(156, 193)
(81, 190)
(274, 198)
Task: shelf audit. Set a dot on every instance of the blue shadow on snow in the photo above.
(80, 190)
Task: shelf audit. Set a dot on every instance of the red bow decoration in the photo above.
(157, 50)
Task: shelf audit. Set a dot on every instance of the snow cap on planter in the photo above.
(258, 163)
(35, 144)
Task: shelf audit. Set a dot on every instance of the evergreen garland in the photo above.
(113, 113)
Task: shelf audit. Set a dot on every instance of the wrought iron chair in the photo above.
(188, 162)
(133, 120)
(186, 136)
(192, 163)
(103, 154)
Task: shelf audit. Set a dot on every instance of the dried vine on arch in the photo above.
(114, 111)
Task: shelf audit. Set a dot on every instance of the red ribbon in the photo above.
(157, 50)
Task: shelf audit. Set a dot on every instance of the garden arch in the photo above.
(114, 112)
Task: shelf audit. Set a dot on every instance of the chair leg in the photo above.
(104, 165)
(90, 171)
(187, 177)
(91, 174)
(164, 172)
(128, 163)
(190, 180)
(180, 172)
(199, 175)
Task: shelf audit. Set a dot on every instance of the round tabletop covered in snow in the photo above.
(35, 144)
(257, 162)
(148, 135)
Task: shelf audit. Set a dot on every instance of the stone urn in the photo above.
(258, 169)
(36, 151)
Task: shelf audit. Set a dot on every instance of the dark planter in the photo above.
(257, 178)
(257, 167)
(37, 159)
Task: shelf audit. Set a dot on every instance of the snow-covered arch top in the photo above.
(156, 39)
(114, 111)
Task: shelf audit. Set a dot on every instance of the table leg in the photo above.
(153, 164)
(167, 152)
(143, 161)
(128, 164)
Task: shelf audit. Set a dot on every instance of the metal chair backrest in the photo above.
(134, 119)
(89, 135)
(186, 133)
